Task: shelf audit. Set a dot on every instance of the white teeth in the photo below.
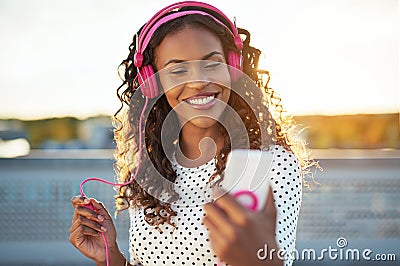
(201, 101)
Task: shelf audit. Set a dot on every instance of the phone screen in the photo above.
(247, 176)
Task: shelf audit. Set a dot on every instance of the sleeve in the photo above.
(286, 182)
(133, 260)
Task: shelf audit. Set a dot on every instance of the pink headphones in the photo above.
(150, 89)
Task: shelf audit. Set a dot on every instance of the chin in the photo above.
(203, 122)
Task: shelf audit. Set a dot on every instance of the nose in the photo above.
(198, 84)
(198, 78)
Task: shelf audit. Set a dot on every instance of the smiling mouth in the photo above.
(202, 101)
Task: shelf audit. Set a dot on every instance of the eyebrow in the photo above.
(203, 58)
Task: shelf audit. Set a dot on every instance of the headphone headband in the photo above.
(157, 20)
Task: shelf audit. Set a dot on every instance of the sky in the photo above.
(60, 58)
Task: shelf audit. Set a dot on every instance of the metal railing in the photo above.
(357, 199)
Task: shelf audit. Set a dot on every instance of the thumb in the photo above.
(270, 210)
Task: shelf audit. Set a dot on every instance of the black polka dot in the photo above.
(188, 243)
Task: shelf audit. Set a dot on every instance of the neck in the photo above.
(198, 145)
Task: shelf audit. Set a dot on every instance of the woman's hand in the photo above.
(237, 233)
(87, 228)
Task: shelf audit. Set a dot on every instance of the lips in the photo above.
(202, 101)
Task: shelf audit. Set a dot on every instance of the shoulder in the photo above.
(285, 159)
(281, 153)
(285, 174)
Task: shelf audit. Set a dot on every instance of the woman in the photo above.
(187, 108)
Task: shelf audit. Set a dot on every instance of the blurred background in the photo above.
(335, 64)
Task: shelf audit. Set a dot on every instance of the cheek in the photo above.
(221, 76)
(166, 84)
(226, 93)
(172, 96)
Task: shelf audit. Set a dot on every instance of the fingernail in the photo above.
(103, 229)
(100, 217)
(86, 201)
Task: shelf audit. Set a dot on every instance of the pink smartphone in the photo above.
(247, 176)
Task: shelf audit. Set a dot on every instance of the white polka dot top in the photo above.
(188, 243)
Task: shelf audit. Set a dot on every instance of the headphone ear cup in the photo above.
(235, 61)
(150, 87)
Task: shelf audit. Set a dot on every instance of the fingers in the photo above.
(87, 227)
(76, 237)
(88, 214)
(270, 208)
(79, 200)
(233, 209)
(97, 208)
(86, 221)
(216, 220)
(79, 233)
(100, 209)
(230, 211)
(216, 236)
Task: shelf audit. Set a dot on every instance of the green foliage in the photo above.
(56, 129)
(363, 131)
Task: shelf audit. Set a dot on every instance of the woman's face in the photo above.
(194, 75)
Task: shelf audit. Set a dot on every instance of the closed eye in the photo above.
(178, 71)
(212, 65)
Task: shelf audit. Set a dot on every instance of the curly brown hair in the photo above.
(144, 192)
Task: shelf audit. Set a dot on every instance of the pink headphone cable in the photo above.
(117, 184)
